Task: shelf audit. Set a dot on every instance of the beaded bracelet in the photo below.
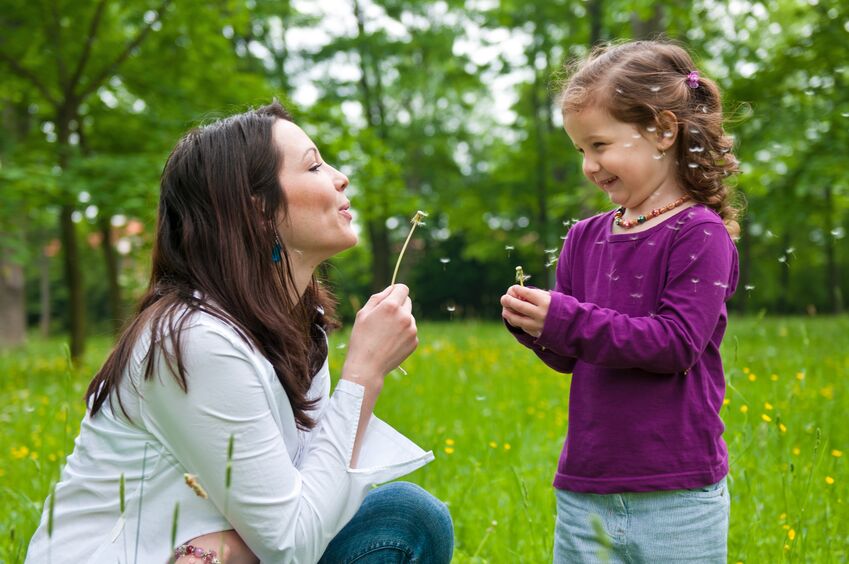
(206, 556)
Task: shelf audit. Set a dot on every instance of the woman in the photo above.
(223, 375)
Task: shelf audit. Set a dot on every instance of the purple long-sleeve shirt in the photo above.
(638, 319)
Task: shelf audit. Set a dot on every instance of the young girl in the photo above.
(638, 312)
(223, 374)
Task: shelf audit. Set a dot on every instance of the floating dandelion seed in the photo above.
(655, 88)
(445, 260)
(790, 250)
(658, 156)
(508, 248)
(192, 482)
(697, 149)
(668, 134)
(694, 131)
(628, 145)
(693, 165)
(415, 221)
(619, 91)
(651, 128)
(782, 259)
(635, 136)
(838, 233)
(748, 287)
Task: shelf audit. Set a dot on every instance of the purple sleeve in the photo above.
(562, 285)
(674, 337)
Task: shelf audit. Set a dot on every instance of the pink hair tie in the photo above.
(693, 79)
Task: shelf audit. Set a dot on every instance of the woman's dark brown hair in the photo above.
(219, 202)
(639, 80)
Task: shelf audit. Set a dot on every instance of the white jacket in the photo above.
(291, 491)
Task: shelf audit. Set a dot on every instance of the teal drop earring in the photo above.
(275, 252)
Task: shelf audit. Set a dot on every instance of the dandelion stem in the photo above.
(417, 219)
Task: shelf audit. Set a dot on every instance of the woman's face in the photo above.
(318, 222)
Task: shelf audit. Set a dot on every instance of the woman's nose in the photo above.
(341, 180)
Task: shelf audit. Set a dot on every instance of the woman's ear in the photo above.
(667, 130)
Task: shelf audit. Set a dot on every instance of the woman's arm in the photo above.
(281, 512)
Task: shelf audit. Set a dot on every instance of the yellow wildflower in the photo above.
(767, 406)
(766, 417)
(782, 427)
(791, 534)
(752, 377)
(449, 442)
(20, 452)
(744, 409)
(506, 446)
(800, 376)
(449, 450)
(829, 480)
(796, 451)
(493, 444)
(836, 453)
(745, 370)
(773, 377)
(782, 517)
(726, 401)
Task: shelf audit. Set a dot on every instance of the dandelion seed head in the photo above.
(418, 217)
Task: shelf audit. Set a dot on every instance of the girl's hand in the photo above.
(526, 308)
(384, 334)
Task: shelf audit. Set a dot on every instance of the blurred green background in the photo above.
(446, 107)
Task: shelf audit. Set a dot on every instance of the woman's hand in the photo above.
(526, 308)
(229, 546)
(384, 334)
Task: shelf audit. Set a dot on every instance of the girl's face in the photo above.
(318, 222)
(623, 160)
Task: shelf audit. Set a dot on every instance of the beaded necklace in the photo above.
(629, 223)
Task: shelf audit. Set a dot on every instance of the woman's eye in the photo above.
(315, 167)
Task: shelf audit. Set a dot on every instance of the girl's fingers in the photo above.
(520, 306)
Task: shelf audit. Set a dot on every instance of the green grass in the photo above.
(495, 417)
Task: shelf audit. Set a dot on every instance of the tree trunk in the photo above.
(110, 257)
(595, 12)
(74, 280)
(832, 279)
(650, 28)
(44, 294)
(12, 309)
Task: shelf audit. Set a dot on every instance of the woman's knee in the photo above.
(425, 519)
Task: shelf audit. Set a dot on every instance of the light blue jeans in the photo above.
(654, 527)
(398, 522)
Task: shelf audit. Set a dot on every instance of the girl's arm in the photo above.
(671, 340)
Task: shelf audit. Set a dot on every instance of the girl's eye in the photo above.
(315, 167)
(598, 144)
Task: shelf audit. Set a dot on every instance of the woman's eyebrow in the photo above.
(311, 149)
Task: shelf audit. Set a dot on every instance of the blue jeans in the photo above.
(397, 522)
(653, 527)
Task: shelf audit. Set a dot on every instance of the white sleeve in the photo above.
(283, 513)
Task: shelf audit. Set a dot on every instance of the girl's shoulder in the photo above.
(599, 223)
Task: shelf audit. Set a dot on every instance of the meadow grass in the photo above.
(495, 418)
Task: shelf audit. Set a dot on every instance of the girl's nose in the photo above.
(591, 166)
